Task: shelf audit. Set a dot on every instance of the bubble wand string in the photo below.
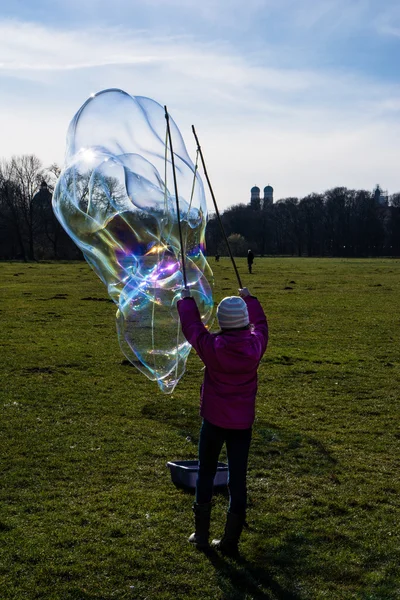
(176, 198)
(216, 208)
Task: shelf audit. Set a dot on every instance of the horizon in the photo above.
(304, 98)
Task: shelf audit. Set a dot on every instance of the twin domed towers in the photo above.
(255, 200)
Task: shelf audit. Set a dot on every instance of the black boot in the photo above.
(229, 543)
(202, 515)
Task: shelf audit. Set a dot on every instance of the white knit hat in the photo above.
(232, 313)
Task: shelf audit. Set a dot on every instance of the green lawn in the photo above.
(87, 507)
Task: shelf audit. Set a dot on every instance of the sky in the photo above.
(303, 95)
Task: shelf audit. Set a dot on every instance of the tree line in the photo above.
(339, 222)
(28, 228)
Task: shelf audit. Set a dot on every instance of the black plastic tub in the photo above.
(184, 473)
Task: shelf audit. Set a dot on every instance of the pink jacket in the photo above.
(231, 358)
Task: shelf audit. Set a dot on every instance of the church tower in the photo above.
(268, 195)
(255, 201)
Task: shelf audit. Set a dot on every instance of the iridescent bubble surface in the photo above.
(115, 198)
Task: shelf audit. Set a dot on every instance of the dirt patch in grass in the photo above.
(93, 299)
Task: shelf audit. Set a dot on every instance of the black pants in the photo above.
(211, 441)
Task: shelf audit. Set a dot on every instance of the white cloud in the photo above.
(31, 50)
(299, 129)
(31, 47)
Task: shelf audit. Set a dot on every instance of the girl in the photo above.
(227, 404)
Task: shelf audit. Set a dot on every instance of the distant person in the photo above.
(217, 257)
(227, 405)
(250, 259)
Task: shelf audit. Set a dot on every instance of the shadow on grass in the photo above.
(237, 578)
(271, 442)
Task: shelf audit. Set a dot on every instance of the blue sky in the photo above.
(301, 94)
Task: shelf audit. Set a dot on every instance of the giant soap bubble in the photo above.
(115, 198)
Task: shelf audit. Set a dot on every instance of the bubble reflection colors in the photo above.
(115, 198)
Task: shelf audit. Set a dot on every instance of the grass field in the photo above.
(87, 507)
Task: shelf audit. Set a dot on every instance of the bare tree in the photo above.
(26, 172)
(12, 241)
